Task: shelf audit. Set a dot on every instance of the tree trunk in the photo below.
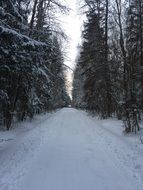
(33, 17)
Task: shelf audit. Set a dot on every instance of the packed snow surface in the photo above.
(69, 150)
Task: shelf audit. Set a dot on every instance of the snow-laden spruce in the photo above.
(31, 72)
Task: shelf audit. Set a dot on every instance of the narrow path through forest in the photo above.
(74, 156)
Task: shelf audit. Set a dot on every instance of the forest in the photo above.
(32, 77)
(108, 78)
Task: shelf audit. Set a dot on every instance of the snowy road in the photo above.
(72, 155)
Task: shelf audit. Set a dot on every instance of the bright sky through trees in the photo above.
(72, 24)
(72, 27)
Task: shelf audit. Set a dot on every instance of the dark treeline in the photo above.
(108, 78)
(31, 59)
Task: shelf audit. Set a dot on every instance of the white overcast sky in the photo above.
(72, 24)
(72, 27)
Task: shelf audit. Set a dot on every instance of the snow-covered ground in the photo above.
(69, 150)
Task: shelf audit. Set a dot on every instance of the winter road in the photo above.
(73, 155)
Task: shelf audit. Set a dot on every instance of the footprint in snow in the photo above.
(138, 167)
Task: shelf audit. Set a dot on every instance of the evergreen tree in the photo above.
(95, 63)
(29, 69)
(110, 63)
